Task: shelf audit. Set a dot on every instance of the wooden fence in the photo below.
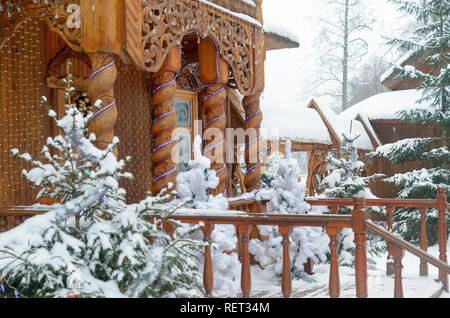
(359, 221)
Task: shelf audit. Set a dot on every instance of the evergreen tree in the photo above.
(288, 197)
(345, 180)
(194, 185)
(430, 41)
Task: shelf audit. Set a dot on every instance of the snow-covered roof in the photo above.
(384, 106)
(400, 62)
(274, 26)
(302, 125)
(340, 125)
(234, 14)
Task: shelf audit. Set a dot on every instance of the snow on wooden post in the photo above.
(442, 226)
(286, 282)
(334, 283)
(208, 278)
(358, 216)
(246, 283)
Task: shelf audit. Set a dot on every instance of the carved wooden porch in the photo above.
(138, 57)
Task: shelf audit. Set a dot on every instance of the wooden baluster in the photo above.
(246, 283)
(164, 87)
(423, 240)
(334, 284)
(10, 220)
(334, 209)
(359, 230)
(286, 282)
(390, 261)
(397, 254)
(208, 277)
(442, 233)
(308, 266)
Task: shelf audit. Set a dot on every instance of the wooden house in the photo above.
(316, 130)
(165, 71)
(381, 112)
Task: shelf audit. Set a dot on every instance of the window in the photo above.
(185, 104)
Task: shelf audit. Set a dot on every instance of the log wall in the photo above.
(390, 132)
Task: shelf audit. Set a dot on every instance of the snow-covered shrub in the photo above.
(195, 185)
(344, 180)
(288, 197)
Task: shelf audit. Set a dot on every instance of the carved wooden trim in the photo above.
(186, 80)
(166, 22)
(54, 78)
(62, 16)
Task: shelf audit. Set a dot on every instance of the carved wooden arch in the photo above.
(58, 14)
(54, 75)
(166, 22)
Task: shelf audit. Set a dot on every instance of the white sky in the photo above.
(288, 70)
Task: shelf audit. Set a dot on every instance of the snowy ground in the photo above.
(379, 285)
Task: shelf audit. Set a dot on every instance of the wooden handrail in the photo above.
(392, 238)
(400, 203)
(268, 219)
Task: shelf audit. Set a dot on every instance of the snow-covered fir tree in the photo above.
(90, 243)
(195, 185)
(288, 197)
(431, 40)
(345, 180)
(270, 171)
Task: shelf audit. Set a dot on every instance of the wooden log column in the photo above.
(213, 71)
(100, 87)
(253, 118)
(164, 86)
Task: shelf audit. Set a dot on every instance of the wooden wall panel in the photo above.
(133, 128)
(23, 122)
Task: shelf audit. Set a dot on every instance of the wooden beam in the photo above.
(101, 25)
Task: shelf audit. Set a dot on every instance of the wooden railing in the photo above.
(359, 221)
(12, 217)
